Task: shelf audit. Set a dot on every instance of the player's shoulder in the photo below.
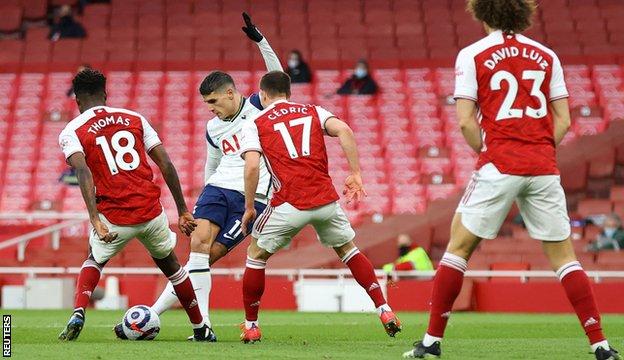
(124, 111)
(526, 40)
(481, 45)
(75, 123)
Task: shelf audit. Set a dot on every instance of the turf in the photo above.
(290, 335)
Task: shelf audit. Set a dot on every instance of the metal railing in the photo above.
(21, 241)
(301, 274)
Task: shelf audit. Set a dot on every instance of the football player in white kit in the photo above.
(221, 205)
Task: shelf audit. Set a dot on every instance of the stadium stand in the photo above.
(155, 53)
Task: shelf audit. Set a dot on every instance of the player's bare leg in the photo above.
(364, 274)
(446, 287)
(205, 251)
(579, 292)
(87, 281)
(253, 288)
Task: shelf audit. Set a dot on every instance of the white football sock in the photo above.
(382, 308)
(249, 324)
(198, 267)
(604, 344)
(165, 300)
(429, 340)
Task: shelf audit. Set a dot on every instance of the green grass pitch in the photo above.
(291, 335)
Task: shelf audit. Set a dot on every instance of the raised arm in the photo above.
(87, 188)
(186, 223)
(270, 58)
(354, 189)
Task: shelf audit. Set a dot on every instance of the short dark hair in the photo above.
(275, 83)
(214, 81)
(506, 15)
(89, 82)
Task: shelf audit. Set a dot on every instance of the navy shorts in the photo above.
(225, 208)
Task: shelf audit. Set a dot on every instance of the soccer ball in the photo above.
(141, 323)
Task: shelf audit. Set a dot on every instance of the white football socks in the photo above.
(166, 299)
(198, 267)
(429, 340)
(249, 324)
(604, 344)
(382, 308)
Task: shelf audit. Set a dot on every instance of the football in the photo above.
(140, 322)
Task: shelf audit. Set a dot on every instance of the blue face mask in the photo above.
(360, 73)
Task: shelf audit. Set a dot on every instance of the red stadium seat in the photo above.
(11, 53)
(10, 18)
(589, 207)
(65, 54)
(35, 9)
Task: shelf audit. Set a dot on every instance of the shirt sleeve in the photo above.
(270, 58)
(213, 159)
(150, 137)
(323, 115)
(69, 143)
(250, 140)
(465, 77)
(558, 88)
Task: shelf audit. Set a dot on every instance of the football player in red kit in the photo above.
(513, 111)
(107, 147)
(290, 138)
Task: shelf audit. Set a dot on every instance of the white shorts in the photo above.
(155, 235)
(490, 194)
(275, 227)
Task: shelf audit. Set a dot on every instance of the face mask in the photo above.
(360, 73)
(403, 250)
(610, 231)
(292, 63)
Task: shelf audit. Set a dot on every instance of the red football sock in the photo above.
(87, 281)
(364, 274)
(253, 288)
(446, 287)
(579, 292)
(184, 290)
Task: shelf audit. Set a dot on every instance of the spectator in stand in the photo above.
(611, 237)
(360, 83)
(65, 26)
(298, 70)
(411, 256)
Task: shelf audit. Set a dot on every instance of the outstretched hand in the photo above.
(251, 30)
(103, 233)
(248, 217)
(186, 223)
(353, 188)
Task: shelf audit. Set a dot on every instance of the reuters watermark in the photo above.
(6, 335)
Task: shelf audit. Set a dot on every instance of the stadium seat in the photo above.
(589, 207)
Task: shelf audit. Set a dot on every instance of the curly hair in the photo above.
(506, 15)
(89, 82)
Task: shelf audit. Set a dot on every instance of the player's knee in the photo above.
(257, 253)
(217, 251)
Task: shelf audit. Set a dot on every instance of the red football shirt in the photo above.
(291, 138)
(115, 143)
(512, 79)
